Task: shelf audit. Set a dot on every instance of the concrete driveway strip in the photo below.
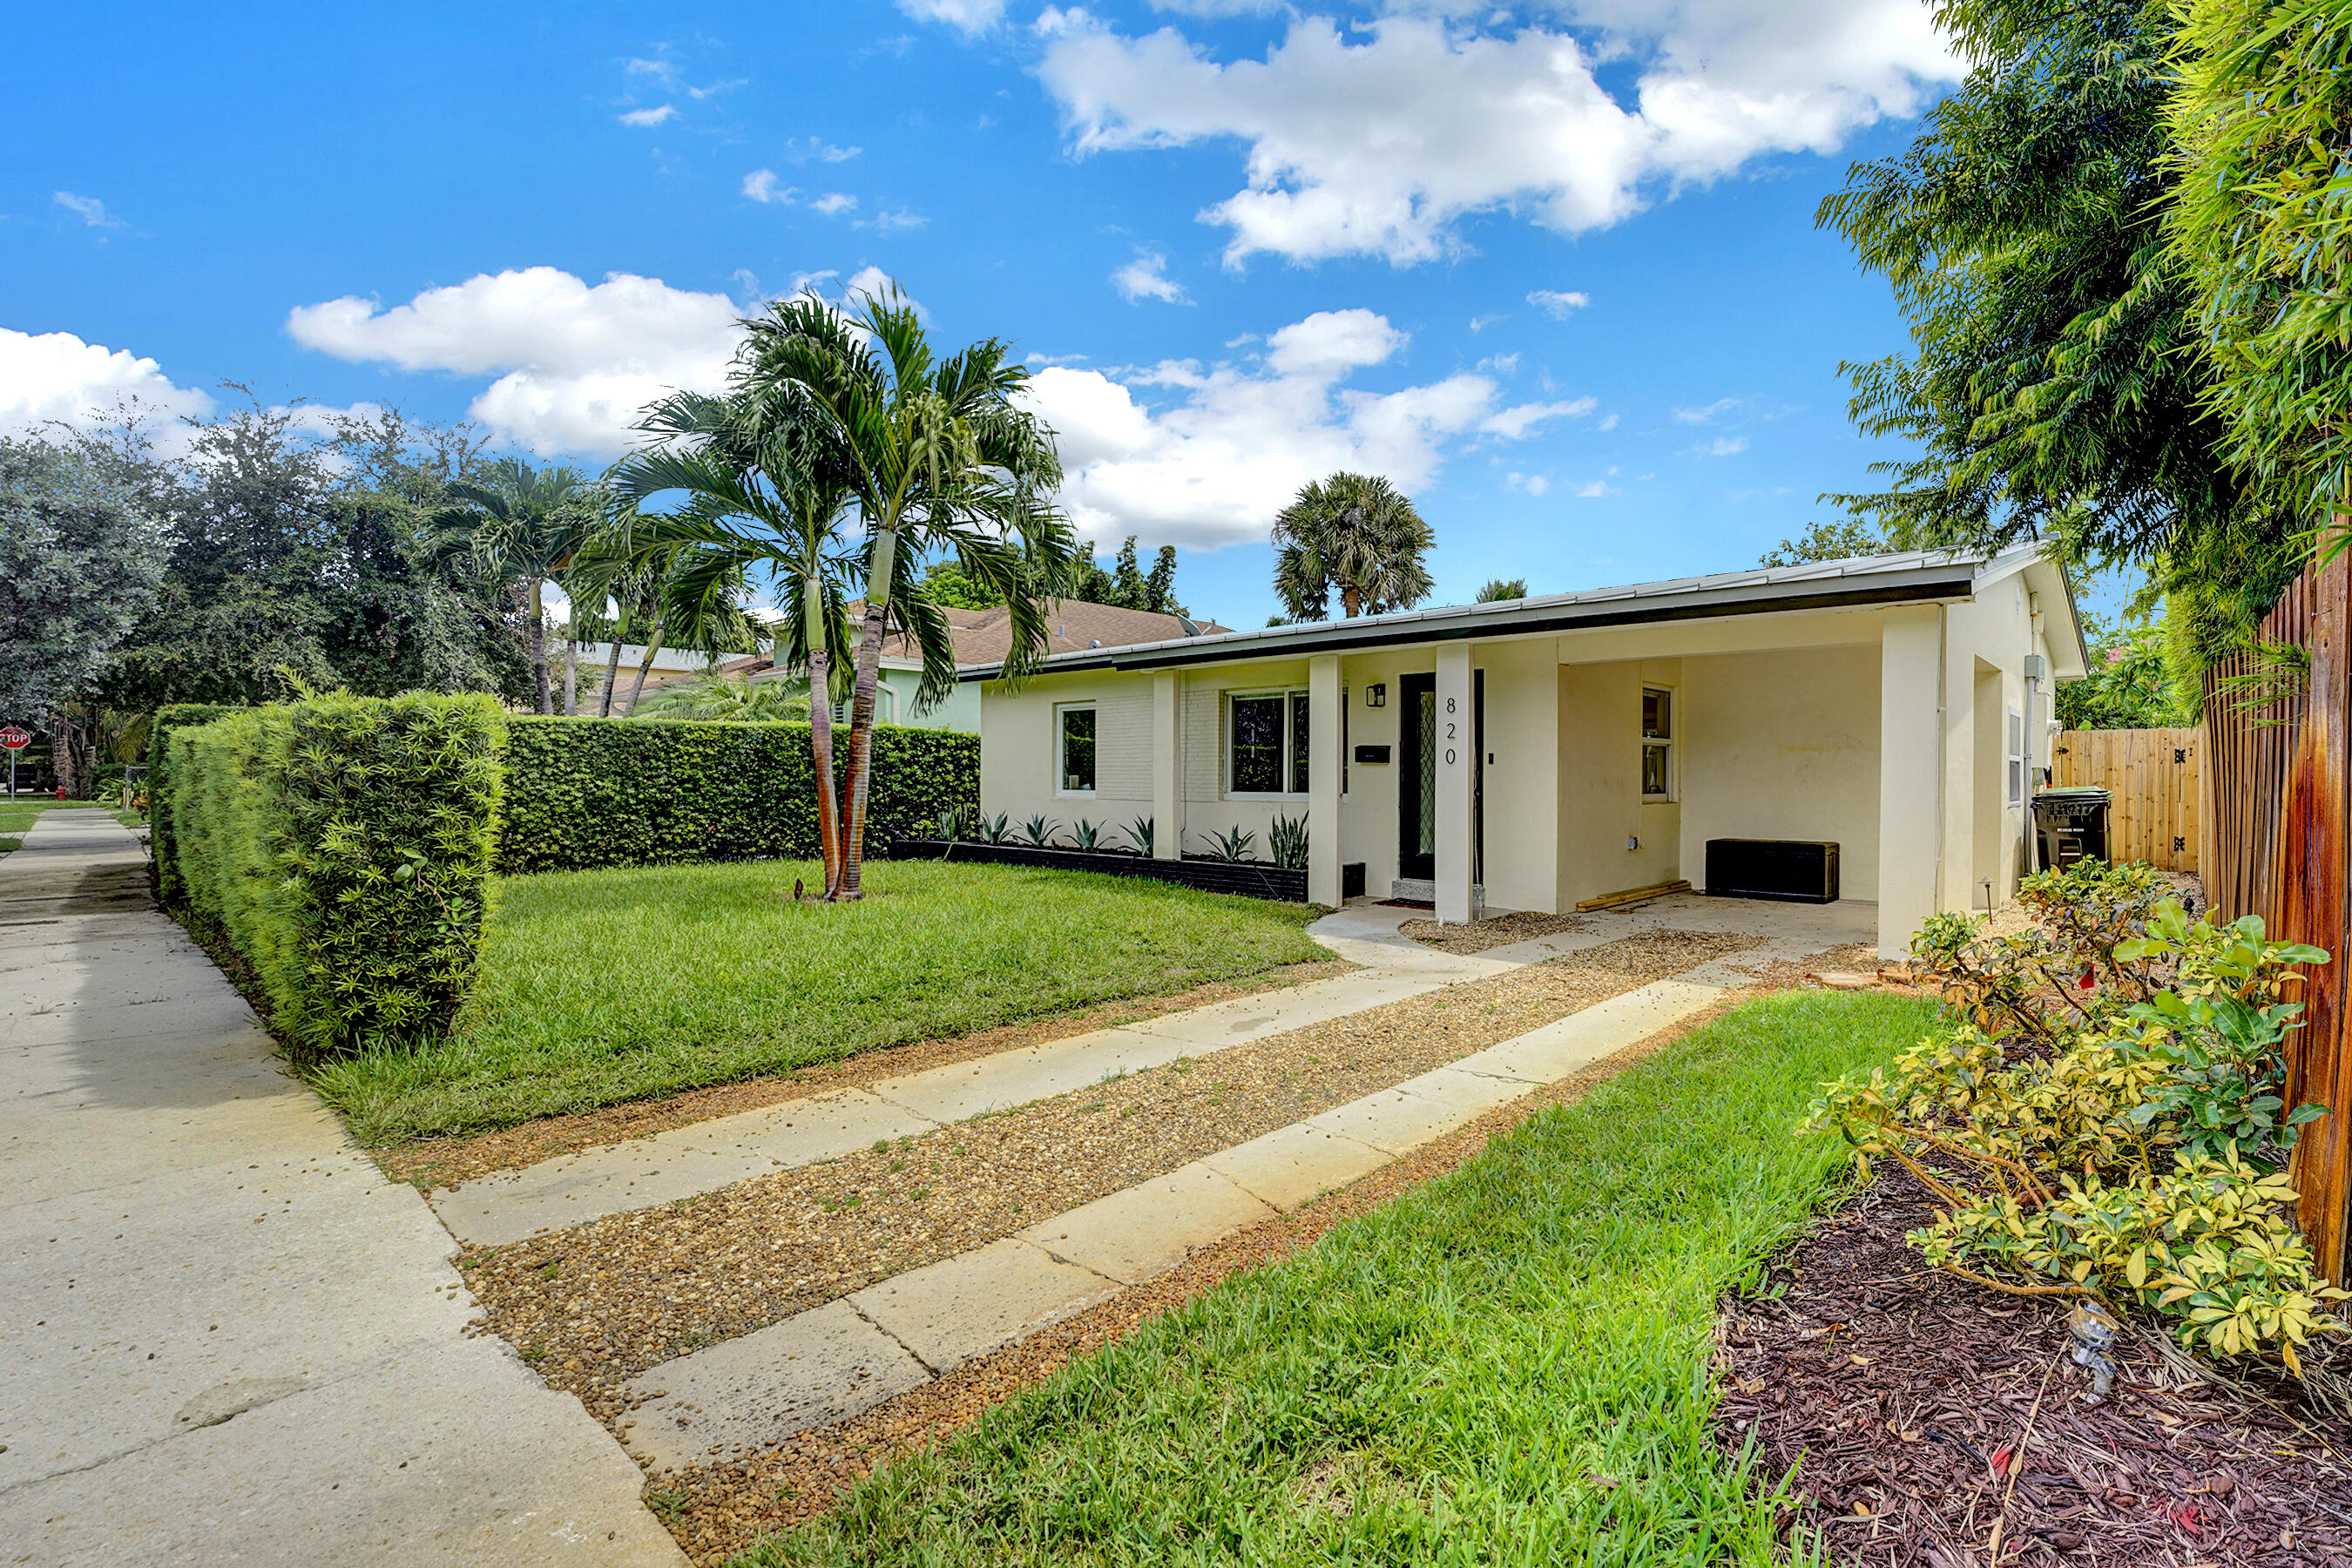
(224, 1336)
(572, 1189)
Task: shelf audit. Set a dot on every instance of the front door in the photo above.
(1417, 778)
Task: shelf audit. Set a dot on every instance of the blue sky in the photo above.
(1553, 268)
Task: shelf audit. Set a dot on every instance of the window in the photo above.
(1074, 726)
(1266, 743)
(1657, 743)
(2016, 757)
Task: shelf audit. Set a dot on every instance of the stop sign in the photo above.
(15, 738)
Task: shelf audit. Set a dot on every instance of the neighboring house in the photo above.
(1531, 753)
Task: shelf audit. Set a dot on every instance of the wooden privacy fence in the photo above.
(2152, 775)
(2278, 748)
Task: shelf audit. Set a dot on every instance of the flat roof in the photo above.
(1856, 582)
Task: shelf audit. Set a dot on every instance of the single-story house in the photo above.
(1531, 753)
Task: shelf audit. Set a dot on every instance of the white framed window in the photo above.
(1265, 745)
(1073, 748)
(1657, 743)
(2016, 757)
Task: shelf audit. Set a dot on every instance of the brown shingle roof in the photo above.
(985, 637)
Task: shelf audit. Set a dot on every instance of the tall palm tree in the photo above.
(759, 493)
(1498, 589)
(1357, 533)
(525, 526)
(938, 460)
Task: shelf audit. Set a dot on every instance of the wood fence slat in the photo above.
(2153, 776)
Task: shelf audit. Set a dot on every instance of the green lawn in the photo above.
(1508, 1365)
(604, 986)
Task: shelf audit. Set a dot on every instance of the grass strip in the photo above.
(600, 987)
(1507, 1365)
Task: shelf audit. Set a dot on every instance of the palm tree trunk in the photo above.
(645, 666)
(612, 673)
(539, 648)
(859, 772)
(571, 660)
(820, 672)
(1351, 601)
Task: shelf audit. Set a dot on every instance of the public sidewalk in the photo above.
(224, 1336)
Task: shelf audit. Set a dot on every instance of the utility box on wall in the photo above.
(1793, 870)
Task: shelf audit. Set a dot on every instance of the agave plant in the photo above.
(1286, 839)
(992, 830)
(1040, 831)
(959, 822)
(1085, 836)
(1232, 846)
(1139, 833)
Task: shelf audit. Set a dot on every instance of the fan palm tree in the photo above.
(936, 459)
(1500, 588)
(1356, 534)
(525, 526)
(730, 699)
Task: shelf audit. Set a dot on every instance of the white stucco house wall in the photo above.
(1532, 754)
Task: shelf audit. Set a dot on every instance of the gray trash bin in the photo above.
(2072, 825)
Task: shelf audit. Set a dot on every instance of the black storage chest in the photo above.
(1786, 869)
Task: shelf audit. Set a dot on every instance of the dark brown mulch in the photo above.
(1921, 1411)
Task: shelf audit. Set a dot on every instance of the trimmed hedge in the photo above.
(162, 833)
(344, 847)
(584, 793)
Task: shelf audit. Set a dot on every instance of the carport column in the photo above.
(1455, 767)
(1167, 765)
(1323, 764)
(1909, 758)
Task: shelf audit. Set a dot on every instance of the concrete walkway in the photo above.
(572, 1189)
(848, 1356)
(224, 1336)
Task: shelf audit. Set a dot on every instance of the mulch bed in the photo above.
(1920, 1411)
(1497, 931)
(430, 1162)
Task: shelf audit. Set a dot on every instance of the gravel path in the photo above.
(1499, 931)
(717, 1511)
(431, 1163)
(595, 1305)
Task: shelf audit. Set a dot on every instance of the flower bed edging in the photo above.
(1254, 878)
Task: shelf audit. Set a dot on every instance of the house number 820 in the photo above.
(1452, 732)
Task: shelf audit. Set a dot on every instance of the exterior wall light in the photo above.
(1376, 695)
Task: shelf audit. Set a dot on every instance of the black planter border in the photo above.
(1253, 878)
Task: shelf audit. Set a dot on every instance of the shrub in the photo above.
(162, 833)
(585, 793)
(2104, 1120)
(341, 844)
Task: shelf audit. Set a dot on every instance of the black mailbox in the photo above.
(1371, 753)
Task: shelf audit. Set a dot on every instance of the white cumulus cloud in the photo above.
(971, 17)
(654, 116)
(57, 378)
(574, 363)
(1379, 137)
(835, 202)
(1183, 454)
(759, 186)
(1145, 278)
(1557, 303)
(89, 210)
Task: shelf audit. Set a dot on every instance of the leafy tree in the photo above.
(1354, 533)
(82, 559)
(2054, 390)
(1084, 578)
(2130, 683)
(1159, 587)
(938, 459)
(308, 555)
(2262, 118)
(1127, 587)
(1498, 589)
(1835, 540)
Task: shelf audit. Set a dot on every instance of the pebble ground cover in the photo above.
(1508, 1364)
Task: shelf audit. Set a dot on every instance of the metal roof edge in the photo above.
(1950, 577)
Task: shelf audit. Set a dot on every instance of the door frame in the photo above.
(1412, 865)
